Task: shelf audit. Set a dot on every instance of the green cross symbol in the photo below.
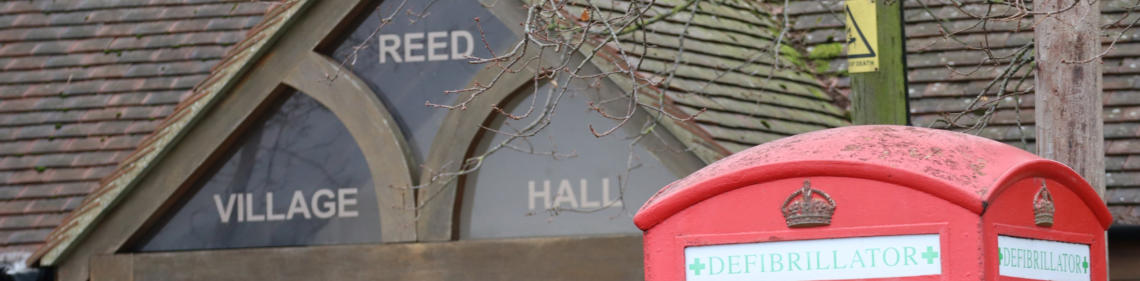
(999, 255)
(930, 255)
(1085, 265)
(696, 267)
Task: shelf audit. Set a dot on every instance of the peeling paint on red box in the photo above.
(738, 218)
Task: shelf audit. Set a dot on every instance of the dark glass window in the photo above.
(297, 177)
(583, 188)
(420, 54)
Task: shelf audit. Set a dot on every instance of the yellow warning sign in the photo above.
(862, 36)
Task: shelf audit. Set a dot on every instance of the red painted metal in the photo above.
(886, 180)
(1009, 212)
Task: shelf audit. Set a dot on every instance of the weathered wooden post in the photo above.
(876, 60)
(1068, 108)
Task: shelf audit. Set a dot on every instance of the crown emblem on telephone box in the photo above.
(804, 208)
(1043, 206)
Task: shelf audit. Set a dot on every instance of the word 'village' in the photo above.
(322, 204)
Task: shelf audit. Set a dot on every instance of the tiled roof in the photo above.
(222, 76)
(723, 70)
(936, 90)
(83, 82)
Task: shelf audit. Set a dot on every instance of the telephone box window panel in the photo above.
(422, 52)
(562, 181)
(296, 177)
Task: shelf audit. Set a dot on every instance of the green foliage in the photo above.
(826, 51)
(822, 55)
(792, 55)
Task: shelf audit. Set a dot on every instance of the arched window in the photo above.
(564, 180)
(421, 53)
(294, 177)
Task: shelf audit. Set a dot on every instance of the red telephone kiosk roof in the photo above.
(963, 169)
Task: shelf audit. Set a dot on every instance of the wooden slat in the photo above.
(1122, 178)
(758, 82)
(740, 136)
(721, 58)
(757, 109)
(1129, 196)
(579, 258)
(1122, 163)
(755, 123)
(704, 8)
(733, 91)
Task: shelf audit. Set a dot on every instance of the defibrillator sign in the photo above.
(1043, 259)
(862, 36)
(825, 259)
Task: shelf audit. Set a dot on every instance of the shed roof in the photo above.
(719, 55)
(83, 82)
(963, 169)
(946, 72)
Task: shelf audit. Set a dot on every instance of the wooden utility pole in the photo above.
(1068, 108)
(879, 97)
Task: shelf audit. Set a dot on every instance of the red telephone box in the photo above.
(877, 202)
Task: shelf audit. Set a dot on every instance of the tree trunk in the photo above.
(1068, 108)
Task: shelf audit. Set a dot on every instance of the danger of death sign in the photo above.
(862, 36)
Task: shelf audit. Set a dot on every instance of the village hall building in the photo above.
(290, 140)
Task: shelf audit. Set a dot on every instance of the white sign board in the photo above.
(823, 259)
(1042, 259)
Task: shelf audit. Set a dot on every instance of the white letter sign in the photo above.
(823, 259)
(1042, 259)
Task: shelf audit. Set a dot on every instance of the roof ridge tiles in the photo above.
(64, 80)
(41, 10)
(119, 36)
(125, 22)
(39, 197)
(117, 51)
(69, 94)
(91, 180)
(133, 63)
